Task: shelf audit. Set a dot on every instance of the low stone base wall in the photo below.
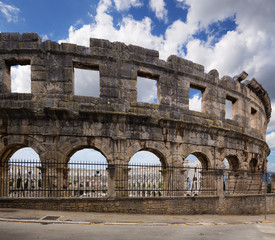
(171, 205)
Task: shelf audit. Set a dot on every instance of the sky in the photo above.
(230, 36)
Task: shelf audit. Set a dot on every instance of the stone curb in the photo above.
(132, 223)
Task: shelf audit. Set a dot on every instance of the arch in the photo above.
(79, 148)
(18, 142)
(253, 164)
(156, 152)
(145, 157)
(202, 157)
(85, 178)
(159, 149)
(69, 145)
(235, 158)
(233, 161)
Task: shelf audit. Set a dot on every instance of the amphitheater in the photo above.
(56, 122)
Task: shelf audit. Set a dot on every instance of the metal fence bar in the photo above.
(30, 178)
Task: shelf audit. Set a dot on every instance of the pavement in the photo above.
(17, 215)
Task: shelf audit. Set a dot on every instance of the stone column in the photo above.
(237, 182)
(220, 182)
(121, 180)
(111, 181)
(208, 182)
(255, 184)
(168, 182)
(52, 180)
(174, 177)
(4, 179)
(66, 182)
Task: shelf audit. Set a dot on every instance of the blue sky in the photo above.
(229, 36)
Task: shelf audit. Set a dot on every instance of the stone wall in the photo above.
(253, 204)
(56, 123)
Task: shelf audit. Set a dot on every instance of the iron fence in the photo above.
(21, 178)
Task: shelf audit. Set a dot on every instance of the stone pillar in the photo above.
(220, 183)
(4, 179)
(121, 180)
(255, 184)
(237, 182)
(66, 182)
(111, 181)
(169, 183)
(52, 180)
(208, 182)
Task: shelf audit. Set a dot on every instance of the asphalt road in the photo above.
(21, 231)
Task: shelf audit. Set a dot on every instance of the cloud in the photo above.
(195, 103)
(9, 12)
(123, 5)
(250, 46)
(158, 6)
(145, 157)
(271, 124)
(146, 90)
(86, 82)
(88, 155)
(270, 138)
(27, 153)
(21, 79)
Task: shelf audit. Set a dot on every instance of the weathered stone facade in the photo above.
(56, 123)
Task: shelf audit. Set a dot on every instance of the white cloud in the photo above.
(271, 124)
(88, 155)
(129, 30)
(122, 5)
(146, 90)
(270, 138)
(251, 47)
(144, 157)
(21, 79)
(195, 103)
(25, 153)
(158, 6)
(86, 82)
(207, 12)
(45, 37)
(9, 12)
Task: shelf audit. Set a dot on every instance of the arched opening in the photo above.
(192, 174)
(253, 164)
(145, 175)
(226, 169)
(232, 162)
(21, 173)
(232, 177)
(86, 174)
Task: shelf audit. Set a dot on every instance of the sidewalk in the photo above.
(60, 217)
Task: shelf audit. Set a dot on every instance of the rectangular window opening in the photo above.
(86, 80)
(147, 85)
(229, 105)
(195, 98)
(253, 118)
(19, 73)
